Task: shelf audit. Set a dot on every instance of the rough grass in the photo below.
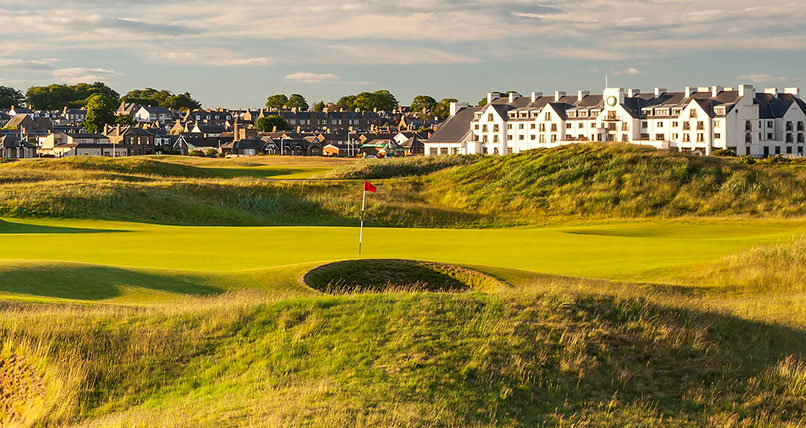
(565, 184)
(550, 353)
(357, 276)
(592, 180)
(764, 268)
(401, 167)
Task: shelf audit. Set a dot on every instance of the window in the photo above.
(509, 126)
(789, 126)
(495, 128)
(700, 137)
(769, 124)
(553, 138)
(748, 137)
(717, 135)
(686, 138)
(769, 135)
(800, 126)
(484, 128)
(495, 138)
(693, 113)
(717, 124)
(490, 117)
(547, 116)
(748, 125)
(624, 137)
(553, 127)
(700, 125)
(686, 126)
(777, 150)
(569, 125)
(675, 124)
(660, 124)
(789, 138)
(542, 127)
(443, 151)
(658, 137)
(643, 124)
(521, 137)
(477, 127)
(800, 138)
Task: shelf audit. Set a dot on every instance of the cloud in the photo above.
(303, 77)
(766, 78)
(211, 58)
(632, 71)
(16, 64)
(82, 75)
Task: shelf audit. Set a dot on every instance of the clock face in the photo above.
(612, 101)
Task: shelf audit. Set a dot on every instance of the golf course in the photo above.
(584, 286)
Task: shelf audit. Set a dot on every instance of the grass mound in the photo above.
(771, 267)
(21, 390)
(402, 167)
(356, 276)
(598, 180)
(420, 359)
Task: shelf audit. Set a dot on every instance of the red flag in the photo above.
(368, 187)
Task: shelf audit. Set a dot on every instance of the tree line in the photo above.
(424, 105)
(58, 97)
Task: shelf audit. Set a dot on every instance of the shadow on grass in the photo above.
(7, 227)
(89, 282)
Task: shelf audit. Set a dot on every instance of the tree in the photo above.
(57, 97)
(267, 124)
(378, 100)
(385, 100)
(100, 112)
(10, 97)
(124, 120)
(423, 104)
(443, 109)
(276, 101)
(320, 106)
(182, 102)
(297, 101)
(347, 102)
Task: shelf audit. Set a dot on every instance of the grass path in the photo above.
(99, 260)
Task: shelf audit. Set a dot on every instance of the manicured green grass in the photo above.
(129, 256)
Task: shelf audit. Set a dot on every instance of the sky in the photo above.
(235, 53)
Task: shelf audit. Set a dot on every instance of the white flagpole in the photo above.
(361, 232)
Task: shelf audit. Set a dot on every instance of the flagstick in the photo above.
(361, 232)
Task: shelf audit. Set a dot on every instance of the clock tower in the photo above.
(613, 97)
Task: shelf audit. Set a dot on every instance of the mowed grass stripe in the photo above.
(615, 250)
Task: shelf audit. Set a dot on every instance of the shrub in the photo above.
(196, 153)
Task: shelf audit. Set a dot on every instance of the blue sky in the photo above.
(236, 53)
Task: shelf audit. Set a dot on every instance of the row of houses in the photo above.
(120, 141)
(696, 120)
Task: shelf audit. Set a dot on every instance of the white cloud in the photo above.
(303, 77)
(766, 78)
(632, 71)
(210, 58)
(82, 75)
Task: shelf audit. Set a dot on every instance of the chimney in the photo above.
(689, 91)
(659, 92)
(274, 128)
(455, 107)
(747, 90)
(792, 91)
(106, 128)
(492, 96)
(631, 93)
(536, 95)
(582, 94)
(715, 90)
(771, 91)
(513, 96)
(558, 95)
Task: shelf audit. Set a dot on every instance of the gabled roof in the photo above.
(456, 127)
(13, 141)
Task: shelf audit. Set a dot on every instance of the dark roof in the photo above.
(12, 141)
(456, 127)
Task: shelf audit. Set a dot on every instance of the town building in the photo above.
(697, 120)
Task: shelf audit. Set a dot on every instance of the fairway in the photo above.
(625, 250)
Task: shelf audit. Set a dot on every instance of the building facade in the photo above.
(696, 120)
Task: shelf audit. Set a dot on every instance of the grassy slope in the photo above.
(564, 184)
(539, 354)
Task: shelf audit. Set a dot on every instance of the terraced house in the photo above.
(696, 120)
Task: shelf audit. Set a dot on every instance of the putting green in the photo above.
(613, 250)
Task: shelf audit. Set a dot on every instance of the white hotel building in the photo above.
(697, 120)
